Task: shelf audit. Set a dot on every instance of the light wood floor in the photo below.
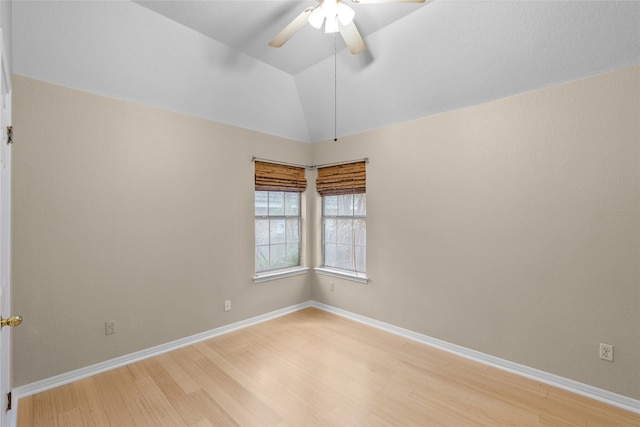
(311, 368)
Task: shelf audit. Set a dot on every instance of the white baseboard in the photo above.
(78, 374)
(544, 377)
(537, 375)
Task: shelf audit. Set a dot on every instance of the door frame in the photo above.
(7, 418)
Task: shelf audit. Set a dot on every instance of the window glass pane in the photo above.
(344, 257)
(361, 259)
(330, 230)
(262, 232)
(292, 255)
(276, 203)
(330, 205)
(360, 204)
(330, 255)
(292, 231)
(345, 205)
(345, 232)
(345, 235)
(276, 231)
(359, 232)
(291, 204)
(278, 256)
(277, 239)
(261, 203)
(262, 258)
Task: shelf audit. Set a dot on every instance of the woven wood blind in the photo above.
(274, 177)
(350, 178)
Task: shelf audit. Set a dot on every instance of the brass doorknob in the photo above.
(11, 321)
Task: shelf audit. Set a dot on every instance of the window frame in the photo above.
(330, 270)
(275, 273)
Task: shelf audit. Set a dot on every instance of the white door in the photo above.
(5, 241)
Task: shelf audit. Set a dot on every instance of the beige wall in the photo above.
(512, 228)
(133, 214)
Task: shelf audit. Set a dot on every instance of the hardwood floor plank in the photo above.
(345, 415)
(71, 417)
(182, 379)
(159, 405)
(27, 411)
(252, 402)
(312, 368)
(110, 398)
(256, 412)
(46, 411)
(230, 404)
(202, 423)
(215, 413)
(90, 404)
(141, 413)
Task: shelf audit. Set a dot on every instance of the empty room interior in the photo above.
(427, 215)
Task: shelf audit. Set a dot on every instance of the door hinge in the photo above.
(9, 401)
(9, 134)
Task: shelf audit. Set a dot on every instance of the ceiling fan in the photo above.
(336, 16)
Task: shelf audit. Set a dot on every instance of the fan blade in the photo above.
(352, 38)
(387, 1)
(293, 27)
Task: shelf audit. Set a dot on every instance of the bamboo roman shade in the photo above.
(274, 177)
(350, 178)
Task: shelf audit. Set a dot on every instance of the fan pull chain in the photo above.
(335, 88)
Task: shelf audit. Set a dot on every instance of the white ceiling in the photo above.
(210, 59)
(247, 26)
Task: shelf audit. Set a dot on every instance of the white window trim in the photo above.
(354, 276)
(342, 274)
(279, 274)
(267, 275)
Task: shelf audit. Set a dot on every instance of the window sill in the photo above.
(342, 274)
(279, 274)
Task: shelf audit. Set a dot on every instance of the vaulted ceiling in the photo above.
(210, 59)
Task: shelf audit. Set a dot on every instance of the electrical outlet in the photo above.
(606, 352)
(331, 287)
(110, 327)
(227, 305)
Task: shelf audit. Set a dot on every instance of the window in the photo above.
(277, 230)
(344, 212)
(278, 218)
(344, 232)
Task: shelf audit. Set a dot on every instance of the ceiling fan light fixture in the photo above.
(331, 25)
(336, 17)
(345, 14)
(328, 13)
(316, 19)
